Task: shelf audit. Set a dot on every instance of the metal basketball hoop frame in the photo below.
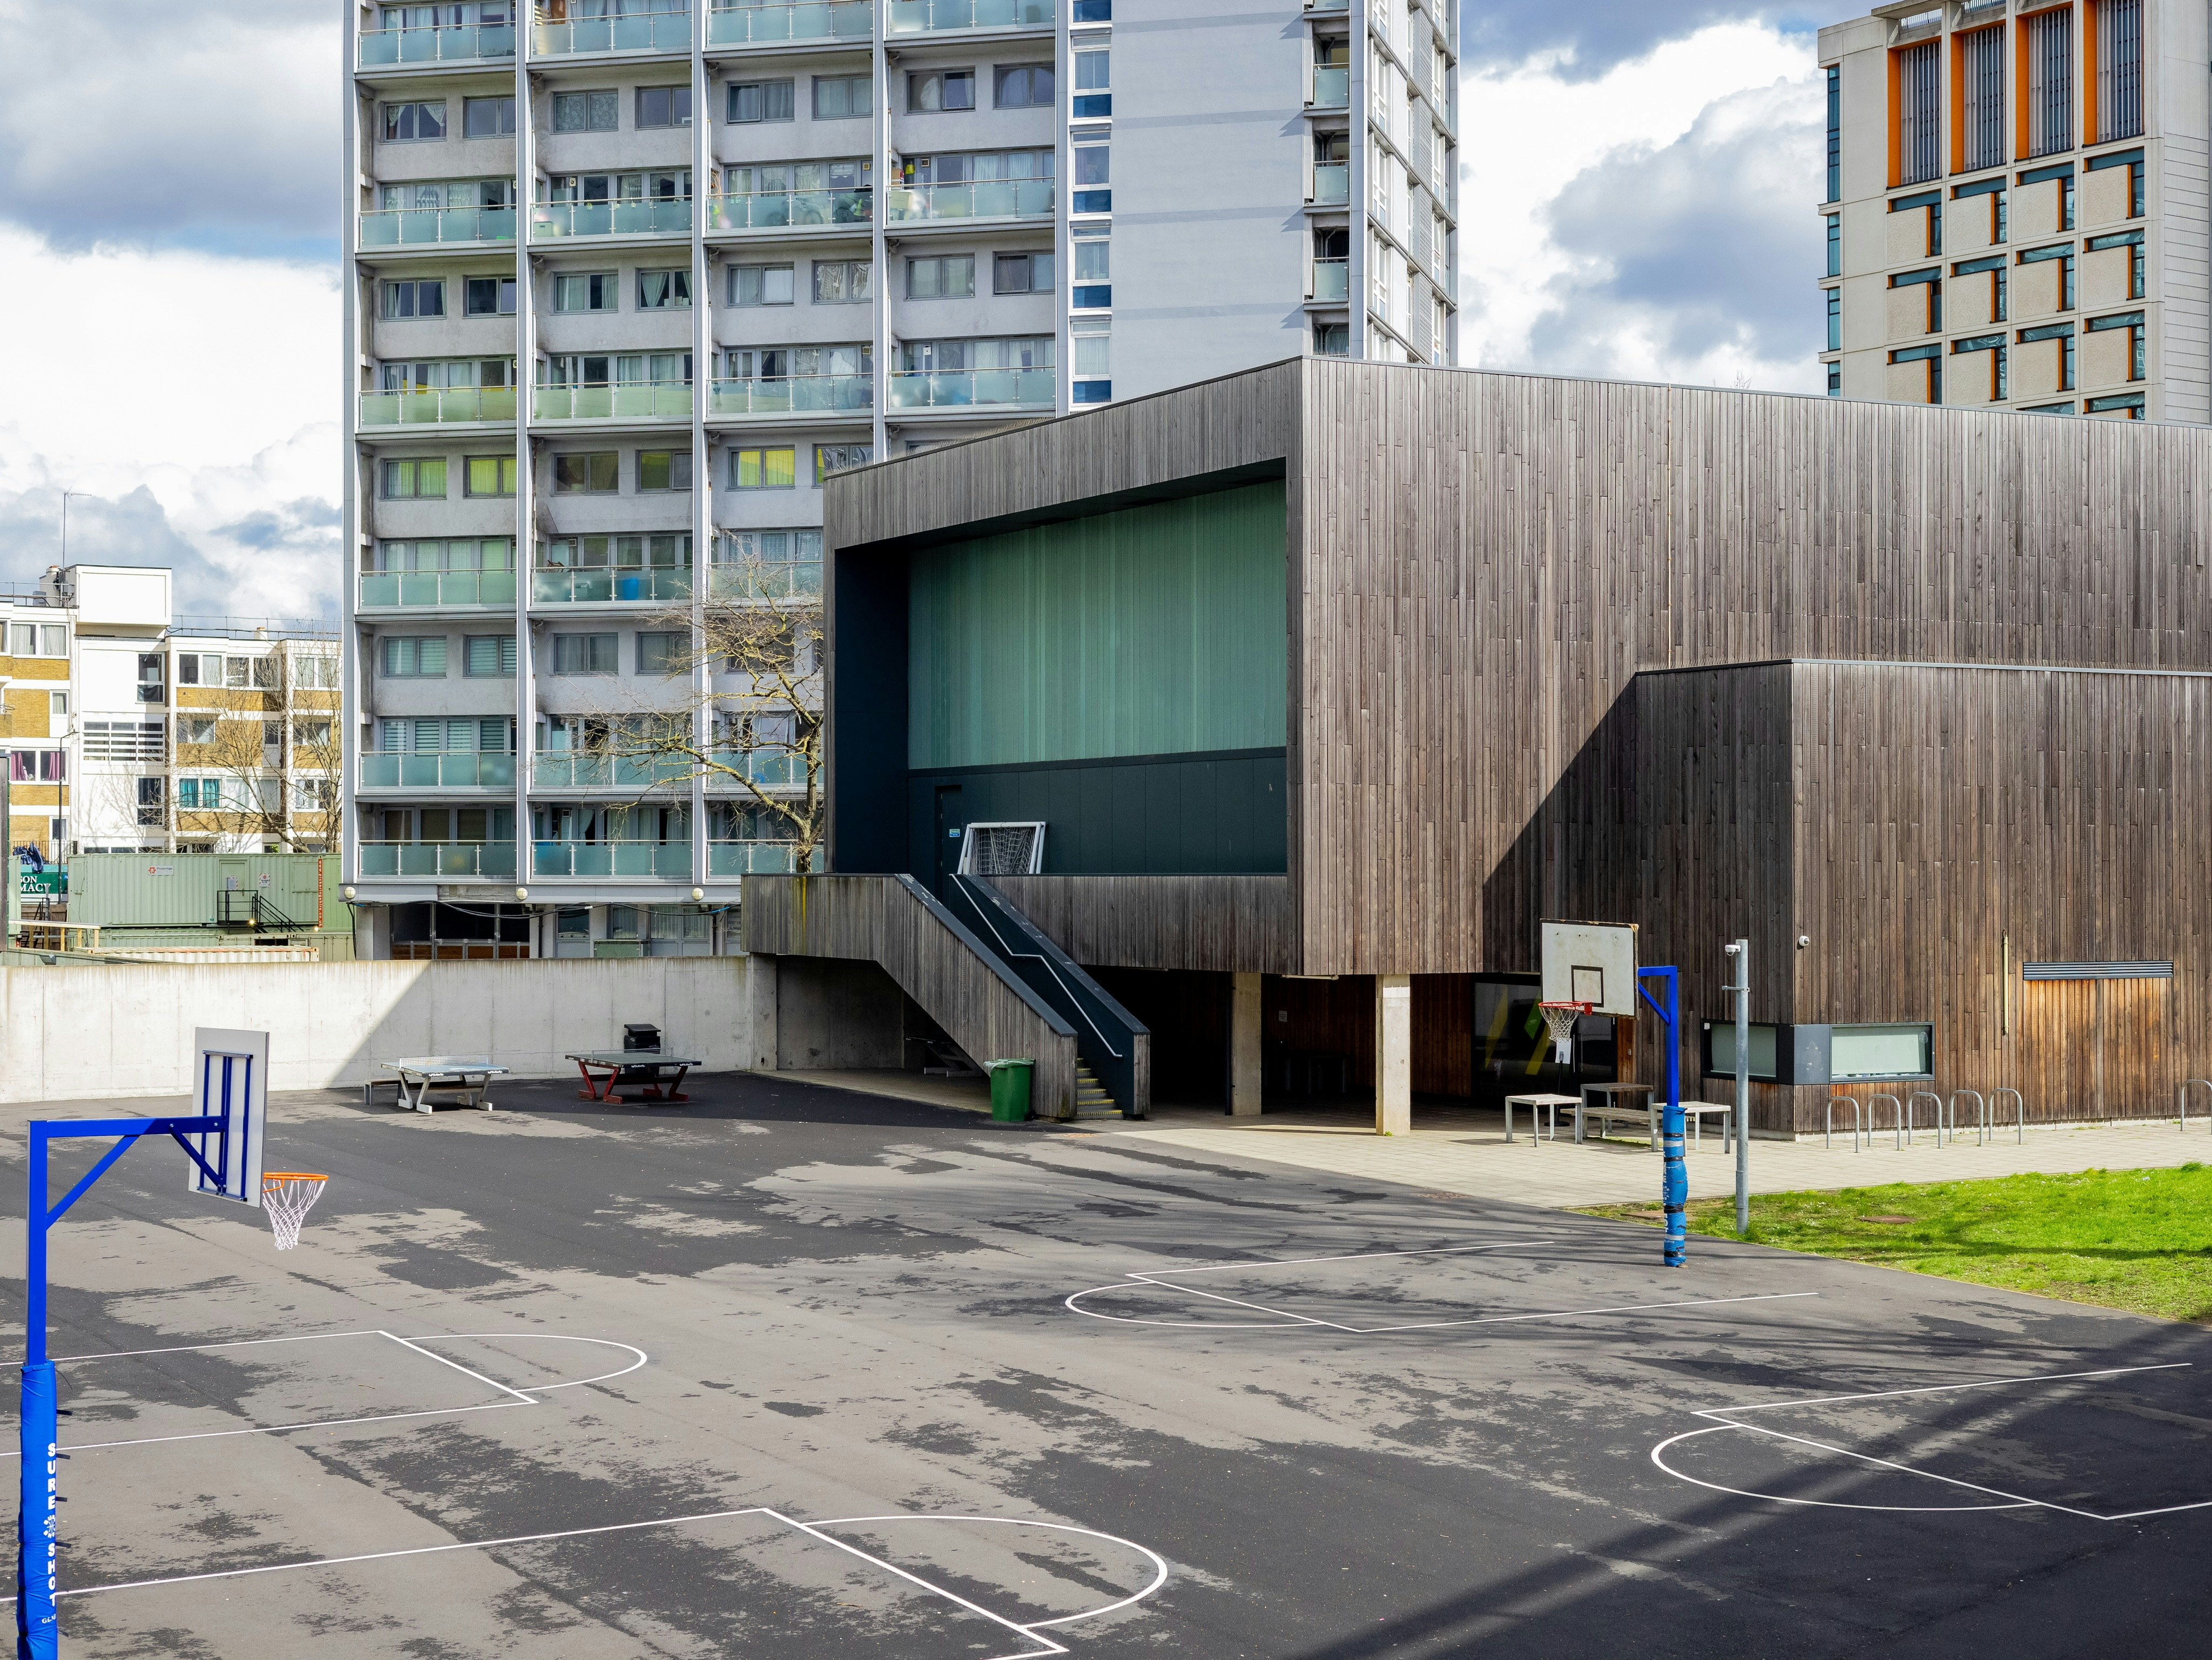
(1560, 1017)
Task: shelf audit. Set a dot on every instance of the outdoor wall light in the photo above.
(348, 891)
(697, 895)
(522, 893)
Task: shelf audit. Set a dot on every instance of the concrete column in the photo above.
(1245, 1025)
(1394, 1054)
(762, 1042)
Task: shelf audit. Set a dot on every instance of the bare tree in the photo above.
(749, 721)
(263, 761)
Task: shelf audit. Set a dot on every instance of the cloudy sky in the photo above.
(1643, 172)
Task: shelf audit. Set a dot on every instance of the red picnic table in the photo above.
(606, 1070)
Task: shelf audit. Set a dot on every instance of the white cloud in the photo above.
(1528, 131)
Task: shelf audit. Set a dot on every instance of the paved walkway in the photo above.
(1466, 1152)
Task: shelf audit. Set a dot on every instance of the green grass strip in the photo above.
(2138, 1240)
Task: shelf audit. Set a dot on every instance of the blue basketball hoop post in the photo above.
(1675, 1189)
(37, 1636)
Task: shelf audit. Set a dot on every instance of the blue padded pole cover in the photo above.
(37, 1636)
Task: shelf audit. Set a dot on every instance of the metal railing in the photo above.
(665, 859)
(929, 16)
(457, 770)
(796, 395)
(665, 400)
(436, 587)
(819, 20)
(445, 43)
(394, 228)
(594, 585)
(570, 770)
(1828, 1132)
(793, 580)
(666, 31)
(1332, 184)
(486, 861)
(1981, 1116)
(750, 859)
(550, 221)
(434, 405)
(785, 209)
(1332, 87)
(1924, 1095)
(938, 389)
(983, 198)
(2020, 1110)
(1332, 279)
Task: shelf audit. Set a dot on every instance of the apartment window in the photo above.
(2133, 162)
(766, 285)
(1994, 343)
(23, 640)
(151, 795)
(491, 296)
(664, 290)
(1021, 273)
(1994, 189)
(2128, 406)
(417, 478)
(586, 111)
(1093, 81)
(488, 657)
(1093, 11)
(311, 734)
(414, 122)
(941, 276)
(2050, 79)
(842, 281)
(660, 654)
(1931, 358)
(123, 740)
(763, 469)
(317, 671)
(2132, 321)
(1092, 287)
(200, 793)
(664, 106)
(1023, 86)
(1994, 268)
(46, 767)
(1835, 245)
(840, 97)
(57, 704)
(2064, 176)
(1092, 340)
(236, 670)
(1332, 339)
(941, 89)
(2063, 253)
(1093, 172)
(835, 458)
(2132, 240)
(488, 118)
(1835, 135)
(424, 297)
(663, 470)
(585, 291)
(1981, 115)
(1933, 281)
(490, 475)
(760, 100)
(1835, 379)
(597, 473)
(1919, 107)
(1931, 203)
(410, 657)
(2119, 69)
(588, 654)
(1835, 319)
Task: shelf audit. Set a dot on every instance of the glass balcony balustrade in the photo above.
(399, 588)
(666, 31)
(1332, 87)
(572, 769)
(406, 227)
(804, 394)
(422, 406)
(462, 43)
(787, 209)
(592, 587)
(771, 769)
(796, 579)
(461, 769)
(986, 198)
(445, 860)
(666, 400)
(1332, 279)
(750, 859)
(1328, 5)
(936, 389)
(1332, 184)
(749, 25)
(553, 221)
(664, 859)
(930, 16)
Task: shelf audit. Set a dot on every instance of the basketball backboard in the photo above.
(232, 1083)
(1592, 963)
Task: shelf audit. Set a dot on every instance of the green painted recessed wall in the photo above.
(1159, 630)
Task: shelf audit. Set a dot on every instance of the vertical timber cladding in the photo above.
(1120, 675)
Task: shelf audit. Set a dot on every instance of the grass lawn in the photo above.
(2138, 1240)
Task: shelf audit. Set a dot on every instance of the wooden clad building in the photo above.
(1354, 670)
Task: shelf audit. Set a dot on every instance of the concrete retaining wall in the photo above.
(94, 1032)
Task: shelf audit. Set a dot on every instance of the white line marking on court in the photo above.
(1033, 1630)
(520, 1400)
(1722, 1420)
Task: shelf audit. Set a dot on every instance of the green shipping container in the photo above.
(266, 893)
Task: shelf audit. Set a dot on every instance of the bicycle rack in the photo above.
(2186, 1082)
(1929, 1095)
(1897, 1118)
(1858, 1122)
(2020, 1114)
(1981, 1120)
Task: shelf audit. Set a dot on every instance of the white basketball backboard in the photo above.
(231, 1080)
(1591, 963)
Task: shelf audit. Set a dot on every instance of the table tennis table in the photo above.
(418, 1076)
(647, 1070)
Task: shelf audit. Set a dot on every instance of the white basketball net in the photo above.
(1561, 1018)
(288, 1196)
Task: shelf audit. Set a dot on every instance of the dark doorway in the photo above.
(949, 827)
